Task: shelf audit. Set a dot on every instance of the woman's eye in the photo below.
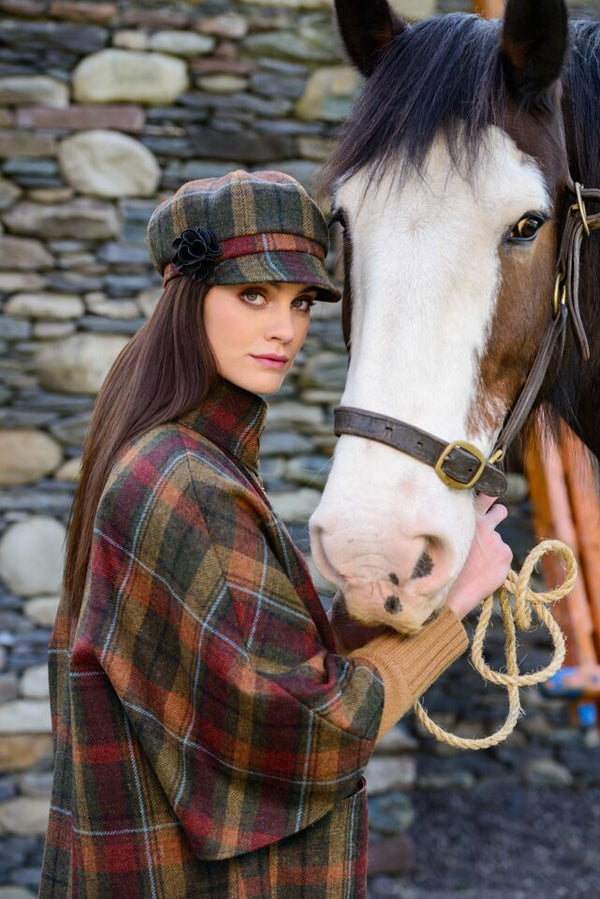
(253, 297)
(304, 304)
(338, 216)
(526, 228)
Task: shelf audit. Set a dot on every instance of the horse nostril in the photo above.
(392, 605)
(424, 566)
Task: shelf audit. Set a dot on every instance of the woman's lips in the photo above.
(271, 361)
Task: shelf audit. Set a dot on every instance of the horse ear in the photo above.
(367, 29)
(534, 43)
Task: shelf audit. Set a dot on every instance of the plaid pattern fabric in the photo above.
(209, 740)
(282, 225)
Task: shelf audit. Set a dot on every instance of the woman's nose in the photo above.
(280, 326)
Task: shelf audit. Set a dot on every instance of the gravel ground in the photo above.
(507, 843)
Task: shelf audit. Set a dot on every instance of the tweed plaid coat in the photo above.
(209, 740)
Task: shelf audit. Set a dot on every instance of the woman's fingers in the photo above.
(496, 514)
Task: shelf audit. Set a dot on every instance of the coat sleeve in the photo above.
(253, 729)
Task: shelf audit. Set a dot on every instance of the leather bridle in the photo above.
(460, 464)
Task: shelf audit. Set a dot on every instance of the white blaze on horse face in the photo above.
(426, 275)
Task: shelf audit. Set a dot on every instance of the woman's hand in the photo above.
(488, 561)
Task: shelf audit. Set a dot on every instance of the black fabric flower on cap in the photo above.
(196, 253)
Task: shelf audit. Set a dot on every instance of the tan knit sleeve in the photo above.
(409, 665)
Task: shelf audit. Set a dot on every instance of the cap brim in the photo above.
(294, 267)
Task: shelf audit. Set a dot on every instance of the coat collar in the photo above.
(233, 419)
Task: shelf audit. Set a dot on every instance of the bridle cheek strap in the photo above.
(459, 464)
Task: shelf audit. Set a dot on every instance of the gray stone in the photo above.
(13, 282)
(37, 784)
(123, 253)
(309, 471)
(293, 4)
(45, 36)
(18, 90)
(307, 43)
(390, 814)
(398, 739)
(14, 329)
(177, 172)
(246, 147)
(26, 456)
(8, 687)
(296, 505)
(122, 75)
(111, 325)
(325, 370)
(221, 83)
(26, 143)
(9, 193)
(181, 43)
(283, 443)
(100, 305)
(272, 84)
(79, 363)
(55, 306)
(72, 430)
(22, 254)
(388, 773)
(34, 682)
(108, 164)
(25, 716)
(126, 285)
(42, 610)
(329, 94)
(15, 892)
(227, 25)
(69, 471)
(80, 218)
(20, 751)
(72, 282)
(31, 556)
(546, 772)
(24, 815)
(293, 413)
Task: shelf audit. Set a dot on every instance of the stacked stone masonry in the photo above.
(105, 108)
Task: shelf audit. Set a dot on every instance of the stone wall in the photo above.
(106, 107)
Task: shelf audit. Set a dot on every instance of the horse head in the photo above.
(450, 180)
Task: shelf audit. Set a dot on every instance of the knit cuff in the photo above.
(409, 665)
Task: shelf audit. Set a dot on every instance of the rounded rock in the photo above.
(47, 306)
(78, 364)
(124, 75)
(182, 43)
(31, 556)
(26, 455)
(108, 164)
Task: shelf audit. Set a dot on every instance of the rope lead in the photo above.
(519, 615)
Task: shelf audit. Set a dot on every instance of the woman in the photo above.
(209, 737)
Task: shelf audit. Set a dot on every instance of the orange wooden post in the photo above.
(566, 507)
(489, 9)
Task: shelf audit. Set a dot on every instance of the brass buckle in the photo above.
(450, 481)
(560, 294)
(582, 209)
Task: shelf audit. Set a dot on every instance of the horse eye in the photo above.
(338, 216)
(526, 228)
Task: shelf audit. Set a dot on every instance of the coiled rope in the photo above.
(518, 614)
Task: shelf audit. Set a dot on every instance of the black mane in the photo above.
(442, 74)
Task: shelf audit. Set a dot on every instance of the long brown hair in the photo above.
(165, 370)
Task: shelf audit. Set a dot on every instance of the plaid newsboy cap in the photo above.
(267, 226)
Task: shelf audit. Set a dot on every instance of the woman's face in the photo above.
(256, 330)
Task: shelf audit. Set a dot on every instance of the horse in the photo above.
(471, 295)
